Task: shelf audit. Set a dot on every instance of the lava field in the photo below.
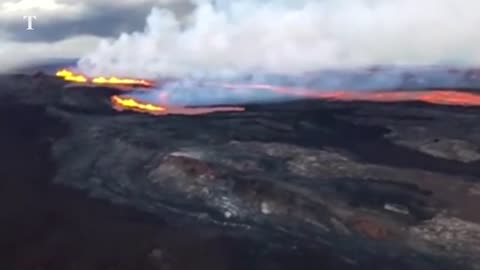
(306, 184)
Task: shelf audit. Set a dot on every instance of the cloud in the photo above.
(290, 36)
(18, 54)
(68, 28)
(110, 22)
(61, 19)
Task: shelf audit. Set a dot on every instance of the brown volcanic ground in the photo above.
(304, 185)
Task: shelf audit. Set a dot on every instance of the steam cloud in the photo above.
(303, 44)
(293, 36)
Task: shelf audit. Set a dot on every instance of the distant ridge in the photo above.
(46, 66)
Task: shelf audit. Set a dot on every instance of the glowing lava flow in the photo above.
(121, 103)
(449, 97)
(70, 76)
(115, 80)
(125, 103)
(440, 97)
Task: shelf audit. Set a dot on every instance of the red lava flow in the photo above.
(441, 97)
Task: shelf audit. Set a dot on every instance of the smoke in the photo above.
(293, 36)
(303, 48)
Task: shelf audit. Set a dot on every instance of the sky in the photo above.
(69, 28)
(157, 38)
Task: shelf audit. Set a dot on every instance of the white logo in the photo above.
(30, 19)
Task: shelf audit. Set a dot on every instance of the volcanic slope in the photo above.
(358, 185)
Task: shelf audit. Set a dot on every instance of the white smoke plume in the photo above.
(293, 36)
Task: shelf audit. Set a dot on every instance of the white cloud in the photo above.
(43, 9)
(296, 36)
(48, 10)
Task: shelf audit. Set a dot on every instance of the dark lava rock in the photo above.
(300, 185)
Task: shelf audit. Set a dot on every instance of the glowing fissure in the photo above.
(70, 76)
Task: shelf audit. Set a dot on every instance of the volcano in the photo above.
(375, 181)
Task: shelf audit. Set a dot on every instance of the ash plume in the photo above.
(292, 37)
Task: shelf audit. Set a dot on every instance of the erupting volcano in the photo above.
(254, 134)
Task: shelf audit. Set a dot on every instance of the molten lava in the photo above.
(115, 80)
(67, 75)
(440, 97)
(121, 103)
(70, 76)
(126, 103)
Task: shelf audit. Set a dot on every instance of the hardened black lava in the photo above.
(299, 185)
